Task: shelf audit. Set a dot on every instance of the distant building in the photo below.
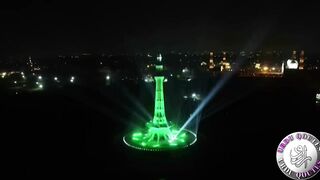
(211, 62)
(224, 64)
(301, 60)
(292, 63)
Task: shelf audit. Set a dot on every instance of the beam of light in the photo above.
(220, 107)
(254, 42)
(145, 117)
(137, 104)
(198, 118)
(206, 100)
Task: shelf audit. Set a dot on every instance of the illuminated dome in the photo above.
(292, 64)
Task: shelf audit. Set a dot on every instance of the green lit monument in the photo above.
(159, 134)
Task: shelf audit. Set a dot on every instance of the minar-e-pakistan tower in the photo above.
(159, 134)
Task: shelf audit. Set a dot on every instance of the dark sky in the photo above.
(42, 27)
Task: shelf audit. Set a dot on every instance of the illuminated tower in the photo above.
(159, 116)
(301, 60)
(159, 134)
(211, 63)
(294, 55)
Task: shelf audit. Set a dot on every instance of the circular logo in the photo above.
(298, 155)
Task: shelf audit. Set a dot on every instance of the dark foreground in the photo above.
(77, 132)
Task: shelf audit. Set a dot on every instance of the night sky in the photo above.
(50, 27)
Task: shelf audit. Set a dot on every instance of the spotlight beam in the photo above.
(206, 100)
(137, 104)
(257, 38)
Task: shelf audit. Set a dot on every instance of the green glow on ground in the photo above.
(159, 139)
(158, 134)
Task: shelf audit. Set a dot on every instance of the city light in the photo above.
(72, 79)
(40, 77)
(40, 86)
(15, 82)
(3, 74)
(195, 96)
(159, 58)
(265, 68)
(185, 70)
(148, 78)
(108, 77)
(203, 63)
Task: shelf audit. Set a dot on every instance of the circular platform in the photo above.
(152, 140)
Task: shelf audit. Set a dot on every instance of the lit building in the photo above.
(32, 66)
(211, 63)
(301, 60)
(292, 63)
(294, 55)
(257, 66)
(225, 65)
